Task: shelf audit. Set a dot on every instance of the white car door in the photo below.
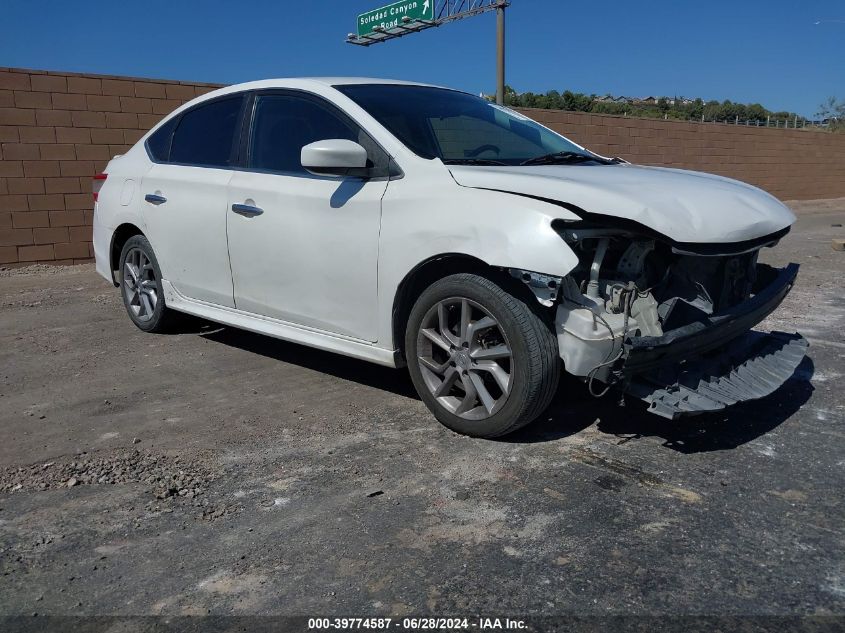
(304, 248)
(185, 199)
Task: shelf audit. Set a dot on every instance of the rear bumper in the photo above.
(718, 362)
(102, 248)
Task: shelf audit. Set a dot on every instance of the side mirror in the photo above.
(335, 157)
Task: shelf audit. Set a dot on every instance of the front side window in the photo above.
(457, 127)
(284, 124)
(205, 135)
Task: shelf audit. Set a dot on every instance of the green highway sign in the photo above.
(393, 15)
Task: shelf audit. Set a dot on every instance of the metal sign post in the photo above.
(411, 16)
(500, 55)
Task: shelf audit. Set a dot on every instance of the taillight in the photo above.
(99, 181)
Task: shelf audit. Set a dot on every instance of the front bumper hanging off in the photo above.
(754, 366)
(718, 362)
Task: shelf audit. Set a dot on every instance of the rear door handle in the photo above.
(247, 210)
(154, 198)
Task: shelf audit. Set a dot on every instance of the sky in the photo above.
(771, 52)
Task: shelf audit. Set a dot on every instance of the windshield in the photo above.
(460, 128)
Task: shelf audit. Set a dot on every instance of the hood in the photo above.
(685, 206)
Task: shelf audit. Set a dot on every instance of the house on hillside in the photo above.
(609, 98)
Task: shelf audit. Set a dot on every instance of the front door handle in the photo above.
(154, 198)
(247, 210)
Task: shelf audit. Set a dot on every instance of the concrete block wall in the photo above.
(789, 164)
(58, 129)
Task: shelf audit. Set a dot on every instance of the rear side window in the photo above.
(205, 135)
(284, 124)
(159, 143)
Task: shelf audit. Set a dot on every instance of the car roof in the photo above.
(317, 84)
(344, 81)
(298, 82)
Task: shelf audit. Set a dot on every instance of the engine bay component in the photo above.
(544, 287)
(588, 335)
(634, 303)
(595, 268)
(632, 261)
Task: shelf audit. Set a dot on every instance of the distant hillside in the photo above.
(680, 108)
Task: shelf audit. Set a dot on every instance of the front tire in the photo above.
(480, 358)
(140, 286)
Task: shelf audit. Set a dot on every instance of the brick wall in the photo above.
(789, 164)
(58, 129)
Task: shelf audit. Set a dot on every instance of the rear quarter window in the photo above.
(158, 145)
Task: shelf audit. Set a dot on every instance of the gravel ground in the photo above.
(217, 471)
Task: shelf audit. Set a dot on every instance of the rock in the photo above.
(838, 244)
(73, 481)
(375, 493)
(135, 440)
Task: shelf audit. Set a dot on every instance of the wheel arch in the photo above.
(119, 238)
(435, 268)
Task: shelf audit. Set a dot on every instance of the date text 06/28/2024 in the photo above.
(415, 624)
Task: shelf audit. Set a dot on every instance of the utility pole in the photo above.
(500, 53)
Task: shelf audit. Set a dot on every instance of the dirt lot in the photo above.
(216, 471)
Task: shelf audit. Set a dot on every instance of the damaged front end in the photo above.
(671, 323)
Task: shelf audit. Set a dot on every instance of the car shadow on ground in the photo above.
(337, 365)
(572, 409)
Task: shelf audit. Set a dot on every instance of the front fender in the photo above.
(496, 228)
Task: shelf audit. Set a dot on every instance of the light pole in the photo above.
(500, 53)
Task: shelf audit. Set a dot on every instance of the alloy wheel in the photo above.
(465, 358)
(140, 287)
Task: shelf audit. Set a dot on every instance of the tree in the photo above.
(696, 109)
(834, 112)
(528, 100)
(554, 100)
(712, 110)
(756, 112)
(678, 108)
(511, 96)
(576, 101)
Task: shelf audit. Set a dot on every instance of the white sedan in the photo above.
(407, 224)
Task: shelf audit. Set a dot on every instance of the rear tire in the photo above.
(140, 286)
(481, 359)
